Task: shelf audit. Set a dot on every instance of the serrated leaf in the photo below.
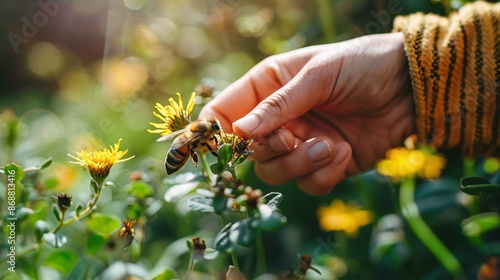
(273, 199)
(41, 228)
(179, 191)
(14, 171)
(201, 203)
(56, 212)
(140, 190)
(61, 260)
(55, 240)
(103, 224)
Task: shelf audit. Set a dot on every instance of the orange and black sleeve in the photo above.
(455, 71)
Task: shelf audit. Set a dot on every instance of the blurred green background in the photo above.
(84, 73)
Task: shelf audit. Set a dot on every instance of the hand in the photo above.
(323, 112)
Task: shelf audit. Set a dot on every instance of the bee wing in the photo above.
(171, 135)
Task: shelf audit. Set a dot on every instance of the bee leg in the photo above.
(194, 157)
(211, 149)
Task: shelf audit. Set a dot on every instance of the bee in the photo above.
(198, 134)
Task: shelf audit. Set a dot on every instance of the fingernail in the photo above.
(278, 144)
(248, 123)
(340, 153)
(319, 151)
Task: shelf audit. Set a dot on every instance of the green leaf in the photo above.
(154, 208)
(221, 241)
(225, 153)
(56, 212)
(244, 232)
(241, 159)
(55, 240)
(94, 185)
(23, 213)
(479, 224)
(273, 199)
(180, 191)
(140, 190)
(41, 228)
(46, 163)
(61, 260)
(220, 204)
(78, 209)
(166, 275)
(122, 270)
(15, 172)
(210, 254)
(103, 224)
(270, 220)
(201, 203)
(477, 186)
(94, 243)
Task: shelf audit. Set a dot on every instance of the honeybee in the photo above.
(197, 134)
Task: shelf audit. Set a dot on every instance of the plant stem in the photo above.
(410, 211)
(235, 260)
(190, 269)
(204, 162)
(261, 256)
(326, 20)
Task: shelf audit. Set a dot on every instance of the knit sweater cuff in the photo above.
(455, 71)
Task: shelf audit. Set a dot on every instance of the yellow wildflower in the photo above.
(346, 217)
(100, 162)
(403, 162)
(174, 116)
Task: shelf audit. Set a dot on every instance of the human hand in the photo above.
(323, 112)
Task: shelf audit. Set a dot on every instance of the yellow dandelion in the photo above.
(100, 162)
(173, 116)
(339, 216)
(403, 162)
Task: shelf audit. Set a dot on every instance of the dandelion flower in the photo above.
(173, 116)
(100, 162)
(403, 162)
(339, 216)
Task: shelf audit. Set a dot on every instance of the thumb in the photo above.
(310, 88)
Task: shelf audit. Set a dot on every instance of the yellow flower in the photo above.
(346, 217)
(174, 116)
(100, 162)
(403, 162)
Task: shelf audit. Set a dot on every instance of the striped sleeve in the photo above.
(455, 71)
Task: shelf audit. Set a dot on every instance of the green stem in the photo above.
(190, 269)
(410, 211)
(235, 260)
(204, 163)
(326, 20)
(261, 256)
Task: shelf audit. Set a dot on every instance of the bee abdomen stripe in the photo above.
(454, 66)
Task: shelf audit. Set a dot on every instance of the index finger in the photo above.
(257, 84)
